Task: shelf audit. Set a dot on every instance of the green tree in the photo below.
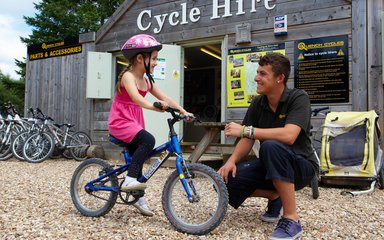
(22, 68)
(58, 19)
(12, 91)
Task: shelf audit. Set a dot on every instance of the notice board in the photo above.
(241, 71)
(322, 69)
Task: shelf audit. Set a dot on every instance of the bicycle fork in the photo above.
(187, 184)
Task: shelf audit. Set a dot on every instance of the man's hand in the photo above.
(228, 167)
(232, 129)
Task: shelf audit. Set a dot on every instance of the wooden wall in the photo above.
(58, 86)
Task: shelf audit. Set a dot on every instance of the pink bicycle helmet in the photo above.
(141, 43)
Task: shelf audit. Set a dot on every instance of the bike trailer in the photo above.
(350, 149)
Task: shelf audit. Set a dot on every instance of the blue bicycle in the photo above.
(194, 197)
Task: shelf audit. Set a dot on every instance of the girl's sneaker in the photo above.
(143, 207)
(131, 183)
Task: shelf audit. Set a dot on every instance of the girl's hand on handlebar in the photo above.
(188, 117)
(160, 106)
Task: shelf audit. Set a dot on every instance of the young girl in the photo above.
(126, 121)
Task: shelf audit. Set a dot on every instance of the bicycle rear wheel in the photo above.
(82, 140)
(93, 203)
(38, 147)
(209, 206)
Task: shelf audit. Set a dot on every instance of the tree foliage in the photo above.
(11, 91)
(58, 19)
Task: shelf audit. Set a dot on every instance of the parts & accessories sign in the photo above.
(322, 69)
(54, 49)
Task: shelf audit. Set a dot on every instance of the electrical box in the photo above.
(99, 75)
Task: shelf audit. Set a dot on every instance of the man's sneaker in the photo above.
(274, 211)
(143, 207)
(130, 184)
(286, 229)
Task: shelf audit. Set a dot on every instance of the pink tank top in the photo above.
(126, 118)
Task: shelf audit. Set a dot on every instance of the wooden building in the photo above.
(340, 37)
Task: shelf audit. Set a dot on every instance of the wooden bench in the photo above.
(206, 145)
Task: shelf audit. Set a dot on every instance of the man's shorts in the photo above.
(282, 164)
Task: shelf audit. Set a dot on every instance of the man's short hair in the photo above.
(280, 64)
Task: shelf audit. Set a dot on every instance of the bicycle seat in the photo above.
(118, 142)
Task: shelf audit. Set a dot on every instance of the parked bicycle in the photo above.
(194, 198)
(40, 145)
(13, 124)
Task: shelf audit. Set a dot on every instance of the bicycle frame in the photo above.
(169, 148)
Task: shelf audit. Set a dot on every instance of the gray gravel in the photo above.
(36, 204)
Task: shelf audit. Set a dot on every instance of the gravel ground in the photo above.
(36, 204)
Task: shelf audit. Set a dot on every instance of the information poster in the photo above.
(321, 69)
(241, 72)
(159, 71)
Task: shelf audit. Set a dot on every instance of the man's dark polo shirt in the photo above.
(294, 108)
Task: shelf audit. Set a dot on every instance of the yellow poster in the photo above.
(241, 72)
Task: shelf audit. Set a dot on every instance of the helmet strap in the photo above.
(147, 72)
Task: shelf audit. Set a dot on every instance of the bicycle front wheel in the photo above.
(18, 143)
(38, 147)
(208, 207)
(93, 203)
(79, 143)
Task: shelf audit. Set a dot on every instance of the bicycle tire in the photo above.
(80, 153)
(5, 148)
(2, 136)
(38, 147)
(18, 144)
(211, 189)
(86, 202)
(381, 177)
(315, 187)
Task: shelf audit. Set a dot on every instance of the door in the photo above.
(167, 76)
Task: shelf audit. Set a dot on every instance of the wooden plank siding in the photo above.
(57, 86)
(308, 12)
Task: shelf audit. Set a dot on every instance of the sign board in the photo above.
(280, 26)
(54, 49)
(241, 72)
(322, 70)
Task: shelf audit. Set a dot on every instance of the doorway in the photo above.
(202, 87)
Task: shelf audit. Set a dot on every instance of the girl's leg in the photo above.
(145, 143)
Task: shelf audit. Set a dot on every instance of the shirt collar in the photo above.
(284, 98)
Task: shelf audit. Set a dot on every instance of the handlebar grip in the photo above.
(157, 105)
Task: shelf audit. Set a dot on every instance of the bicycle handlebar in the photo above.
(318, 110)
(173, 111)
